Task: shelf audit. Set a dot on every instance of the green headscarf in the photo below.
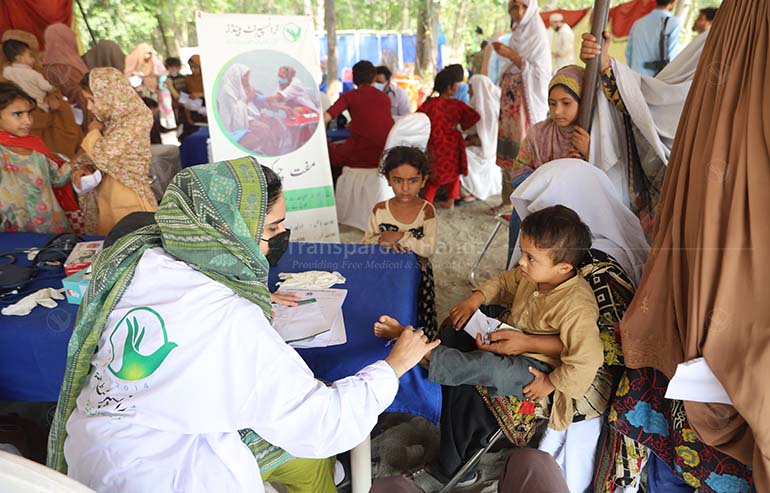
(210, 218)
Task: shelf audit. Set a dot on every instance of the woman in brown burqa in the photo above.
(704, 289)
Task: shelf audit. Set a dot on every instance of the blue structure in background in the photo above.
(377, 47)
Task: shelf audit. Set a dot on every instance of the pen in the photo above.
(396, 338)
(305, 302)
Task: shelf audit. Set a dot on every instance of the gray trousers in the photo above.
(460, 364)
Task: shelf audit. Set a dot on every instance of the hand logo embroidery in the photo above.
(135, 365)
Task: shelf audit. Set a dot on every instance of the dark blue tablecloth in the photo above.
(377, 283)
(193, 150)
(338, 135)
(33, 349)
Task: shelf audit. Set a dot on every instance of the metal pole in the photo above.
(85, 19)
(591, 79)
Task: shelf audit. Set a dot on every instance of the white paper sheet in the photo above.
(694, 381)
(329, 317)
(298, 323)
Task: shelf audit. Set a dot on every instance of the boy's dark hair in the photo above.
(396, 156)
(444, 80)
(12, 48)
(383, 70)
(559, 230)
(664, 3)
(149, 102)
(709, 12)
(173, 61)
(363, 73)
(9, 92)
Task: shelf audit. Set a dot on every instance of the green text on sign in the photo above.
(309, 198)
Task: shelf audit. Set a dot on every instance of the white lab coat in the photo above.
(225, 369)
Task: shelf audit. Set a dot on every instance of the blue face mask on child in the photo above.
(283, 81)
(379, 86)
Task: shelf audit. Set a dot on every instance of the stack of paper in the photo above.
(316, 322)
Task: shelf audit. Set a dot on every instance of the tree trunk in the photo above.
(425, 64)
(320, 16)
(405, 20)
(330, 18)
(457, 36)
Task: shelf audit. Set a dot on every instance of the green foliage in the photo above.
(130, 22)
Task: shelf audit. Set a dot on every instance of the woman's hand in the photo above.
(285, 299)
(505, 343)
(78, 175)
(463, 311)
(581, 142)
(539, 388)
(409, 349)
(591, 48)
(506, 51)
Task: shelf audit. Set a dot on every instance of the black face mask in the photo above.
(277, 245)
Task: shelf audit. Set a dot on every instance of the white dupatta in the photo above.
(530, 40)
(654, 104)
(586, 190)
(483, 179)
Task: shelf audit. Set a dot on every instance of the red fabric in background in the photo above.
(34, 15)
(571, 17)
(621, 17)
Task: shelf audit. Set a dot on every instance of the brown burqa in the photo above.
(703, 292)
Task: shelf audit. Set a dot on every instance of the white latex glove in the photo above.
(310, 279)
(44, 297)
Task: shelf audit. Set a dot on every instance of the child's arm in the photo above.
(500, 289)
(42, 83)
(583, 351)
(425, 245)
(59, 175)
(372, 234)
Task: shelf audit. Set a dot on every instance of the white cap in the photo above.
(556, 17)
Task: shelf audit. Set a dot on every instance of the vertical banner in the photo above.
(262, 100)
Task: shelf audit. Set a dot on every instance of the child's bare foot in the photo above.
(446, 204)
(388, 327)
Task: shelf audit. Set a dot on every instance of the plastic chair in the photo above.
(501, 219)
(20, 475)
(358, 190)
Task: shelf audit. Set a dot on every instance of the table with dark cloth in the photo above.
(33, 349)
(193, 148)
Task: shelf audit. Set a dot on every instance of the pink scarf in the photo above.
(61, 48)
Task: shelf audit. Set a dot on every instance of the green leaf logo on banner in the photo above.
(292, 32)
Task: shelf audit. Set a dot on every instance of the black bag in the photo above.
(660, 64)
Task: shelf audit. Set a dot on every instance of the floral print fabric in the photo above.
(641, 412)
(27, 201)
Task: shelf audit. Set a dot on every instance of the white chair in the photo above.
(359, 189)
(19, 475)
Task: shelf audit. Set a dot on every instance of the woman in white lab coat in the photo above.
(175, 378)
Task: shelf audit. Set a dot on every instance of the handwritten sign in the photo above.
(287, 136)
